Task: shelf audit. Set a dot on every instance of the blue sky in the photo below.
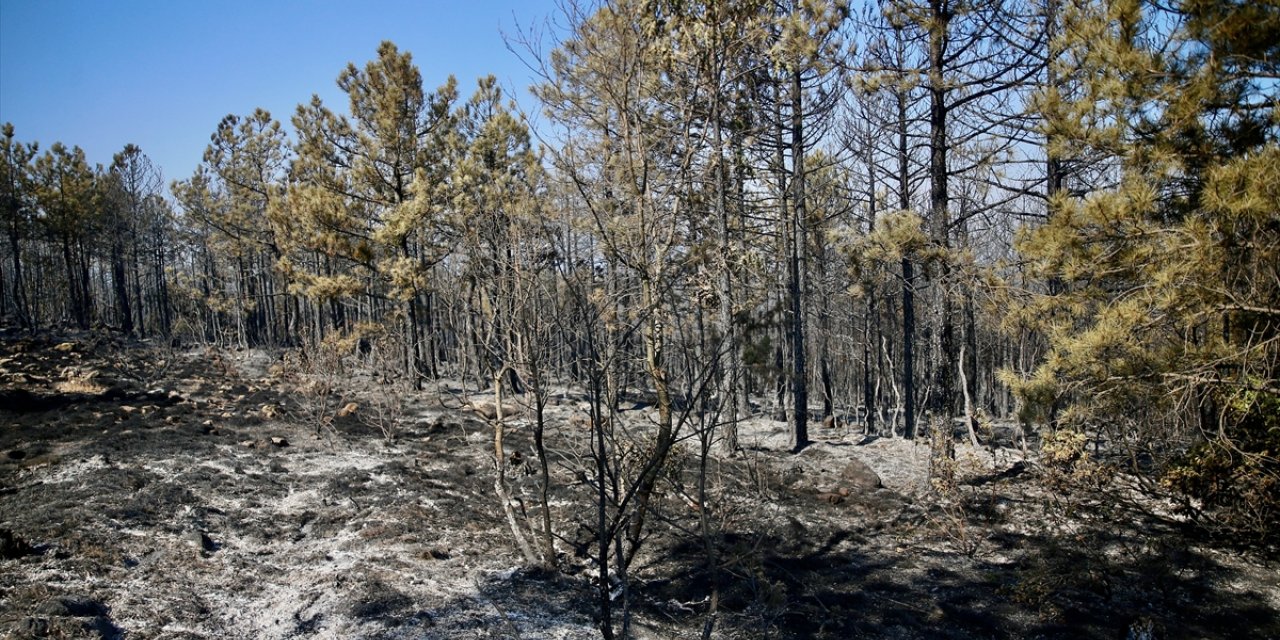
(162, 73)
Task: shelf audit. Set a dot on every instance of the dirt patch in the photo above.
(148, 493)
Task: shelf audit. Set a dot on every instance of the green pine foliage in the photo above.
(1165, 329)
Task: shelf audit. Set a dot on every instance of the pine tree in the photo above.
(801, 88)
(1165, 332)
(16, 208)
(133, 179)
(65, 193)
(367, 191)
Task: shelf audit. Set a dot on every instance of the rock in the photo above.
(279, 441)
(1014, 471)
(489, 411)
(65, 347)
(128, 409)
(202, 541)
(11, 546)
(858, 476)
(72, 607)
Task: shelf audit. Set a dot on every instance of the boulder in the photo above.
(11, 546)
(859, 477)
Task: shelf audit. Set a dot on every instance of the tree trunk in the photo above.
(799, 375)
(654, 341)
(969, 419)
(74, 285)
(20, 306)
(121, 288)
(869, 325)
(944, 330)
(908, 282)
(730, 375)
(500, 474)
(135, 263)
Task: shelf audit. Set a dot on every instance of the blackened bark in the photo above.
(121, 288)
(799, 376)
(908, 281)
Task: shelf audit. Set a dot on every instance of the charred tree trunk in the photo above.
(20, 305)
(799, 372)
(121, 287)
(908, 282)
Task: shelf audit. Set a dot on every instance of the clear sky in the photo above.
(161, 74)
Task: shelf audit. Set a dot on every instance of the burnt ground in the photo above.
(154, 493)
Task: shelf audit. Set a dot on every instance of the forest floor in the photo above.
(156, 493)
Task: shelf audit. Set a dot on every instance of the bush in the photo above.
(1232, 478)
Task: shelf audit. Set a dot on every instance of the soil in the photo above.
(163, 493)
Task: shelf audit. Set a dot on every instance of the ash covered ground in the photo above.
(162, 493)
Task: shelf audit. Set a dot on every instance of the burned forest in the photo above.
(787, 319)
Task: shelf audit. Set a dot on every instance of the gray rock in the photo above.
(202, 541)
(859, 477)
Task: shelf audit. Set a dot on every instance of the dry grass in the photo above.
(79, 385)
